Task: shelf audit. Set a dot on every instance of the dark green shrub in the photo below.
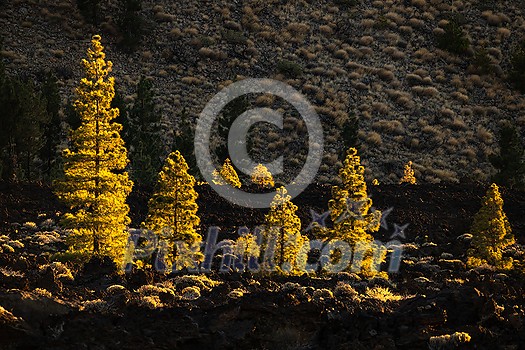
(453, 39)
(349, 134)
(482, 62)
(289, 69)
(346, 3)
(89, 9)
(234, 37)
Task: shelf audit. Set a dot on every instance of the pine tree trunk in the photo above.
(96, 247)
(28, 166)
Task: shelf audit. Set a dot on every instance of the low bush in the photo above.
(289, 69)
(453, 39)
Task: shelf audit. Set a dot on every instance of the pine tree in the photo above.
(21, 128)
(283, 227)
(90, 10)
(517, 72)
(226, 175)
(131, 24)
(246, 249)
(408, 175)
(22, 117)
(262, 177)
(52, 127)
(230, 112)
(173, 213)
(30, 138)
(144, 135)
(184, 142)
(95, 185)
(491, 233)
(511, 159)
(350, 208)
(349, 133)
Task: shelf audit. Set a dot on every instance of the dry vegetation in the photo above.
(380, 54)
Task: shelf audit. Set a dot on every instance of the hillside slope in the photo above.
(378, 60)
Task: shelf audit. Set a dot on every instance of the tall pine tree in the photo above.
(510, 161)
(183, 141)
(350, 210)
(21, 128)
(283, 229)
(95, 185)
(144, 135)
(173, 214)
(131, 24)
(52, 127)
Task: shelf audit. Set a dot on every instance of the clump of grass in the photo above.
(448, 341)
(43, 293)
(344, 290)
(6, 248)
(11, 273)
(191, 293)
(115, 289)
(60, 270)
(150, 289)
(382, 294)
(346, 3)
(96, 306)
(203, 282)
(150, 301)
(323, 294)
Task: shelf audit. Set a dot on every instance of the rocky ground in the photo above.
(429, 304)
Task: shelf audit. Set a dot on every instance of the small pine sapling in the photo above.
(226, 175)
(262, 177)
(408, 175)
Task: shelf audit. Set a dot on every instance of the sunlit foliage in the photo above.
(262, 177)
(95, 185)
(350, 210)
(173, 213)
(408, 175)
(226, 175)
(491, 233)
(283, 233)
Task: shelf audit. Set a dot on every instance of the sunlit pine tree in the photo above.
(350, 208)
(284, 225)
(226, 175)
(246, 248)
(173, 213)
(491, 233)
(409, 176)
(262, 177)
(95, 185)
